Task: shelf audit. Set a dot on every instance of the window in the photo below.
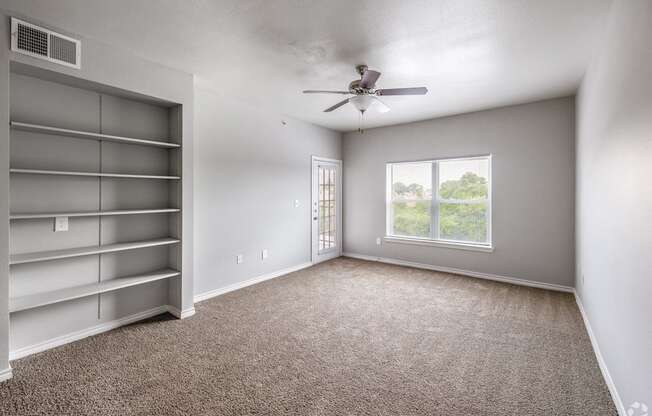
(440, 202)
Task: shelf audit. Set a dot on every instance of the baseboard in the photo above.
(6, 374)
(181, 314)
(469, 273)
(249, 282)
(601, 362)
(75, 336)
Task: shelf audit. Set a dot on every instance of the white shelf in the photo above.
(62, 295)
(26, 216)
(16, 125)
(86, 251)
(94, 174)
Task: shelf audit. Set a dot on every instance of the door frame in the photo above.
(314, 224)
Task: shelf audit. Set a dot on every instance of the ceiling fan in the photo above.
(365, 92)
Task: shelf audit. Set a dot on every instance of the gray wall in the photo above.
(614, 198)
(533, 187)
(249, 170)
(119, 71)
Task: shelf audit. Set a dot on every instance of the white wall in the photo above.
(249, 170)
(533, 187)
(614, 198)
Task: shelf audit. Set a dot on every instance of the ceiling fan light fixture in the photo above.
(362, 102)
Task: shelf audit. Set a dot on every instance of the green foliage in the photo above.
(463, 222)
(412, 218)
(414, 190)
(460, 222)
(469, 186)
(400, 189)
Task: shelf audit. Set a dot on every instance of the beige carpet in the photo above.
(346, 337)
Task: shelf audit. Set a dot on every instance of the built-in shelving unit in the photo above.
(40, 215)
(96, 205)
(87, 251)
(36, 128)
(76, 292)
(92, 174)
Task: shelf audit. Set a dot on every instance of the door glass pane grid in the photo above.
(327, 208)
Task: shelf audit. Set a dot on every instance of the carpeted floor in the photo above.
(346, 337)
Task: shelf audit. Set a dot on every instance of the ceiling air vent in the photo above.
(45, 44)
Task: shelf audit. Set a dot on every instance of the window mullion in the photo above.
(434, 229)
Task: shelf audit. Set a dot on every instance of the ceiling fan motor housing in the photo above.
(358, 86)
(355, 88)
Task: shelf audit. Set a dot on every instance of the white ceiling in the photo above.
(471, 54)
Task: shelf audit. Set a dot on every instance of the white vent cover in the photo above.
(45, 44)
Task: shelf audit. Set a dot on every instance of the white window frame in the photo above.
(434, 239)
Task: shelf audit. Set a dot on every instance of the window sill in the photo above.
(443, 244)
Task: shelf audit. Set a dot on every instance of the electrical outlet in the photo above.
(239, 259)
(378, 241)
(60, 224)
(296, 203)
(264, 254)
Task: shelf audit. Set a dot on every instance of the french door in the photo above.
(326, 209)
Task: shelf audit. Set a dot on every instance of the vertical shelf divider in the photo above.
(99, 219)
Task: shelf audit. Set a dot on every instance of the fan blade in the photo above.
(336, 106)
(381, 106)
(324, 92)
(403, 91)
(369, 78)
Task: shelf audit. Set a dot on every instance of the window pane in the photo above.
(463, 222)
(412, 181)
(411, 199)
(459, 181)
(411, 218)
(464, 179)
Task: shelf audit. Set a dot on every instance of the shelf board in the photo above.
(37, 128)
(62, 295)
(86, 251)
(94, 174)
(27, 216)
